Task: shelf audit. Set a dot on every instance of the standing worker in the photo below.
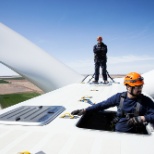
(100, 59)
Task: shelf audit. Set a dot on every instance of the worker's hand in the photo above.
(78, 112)
(135, 121)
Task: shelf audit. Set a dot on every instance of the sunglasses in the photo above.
(133, 81)
(138, 87)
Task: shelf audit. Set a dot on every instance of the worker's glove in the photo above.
(78, 112)
(115, 120)
(135, 121)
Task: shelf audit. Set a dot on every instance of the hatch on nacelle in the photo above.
(103, 121)
(31, 115)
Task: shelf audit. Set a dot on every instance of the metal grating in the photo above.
(31, 115)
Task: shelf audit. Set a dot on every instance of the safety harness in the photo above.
(100, 56)
(121, 113)
(136, 110)
(139, 128)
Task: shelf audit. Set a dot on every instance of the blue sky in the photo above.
(68, 29)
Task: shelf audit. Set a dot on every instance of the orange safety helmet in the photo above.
(133, 79)
(99, 38)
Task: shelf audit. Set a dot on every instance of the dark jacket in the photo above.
(100, 51)
(146, 109)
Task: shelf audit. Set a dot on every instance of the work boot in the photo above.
(95, 82)
(106, 82)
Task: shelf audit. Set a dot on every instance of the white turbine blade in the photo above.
(149, 83)
(33, 63)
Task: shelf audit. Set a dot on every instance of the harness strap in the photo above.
(122, 98)
(137, 109)
(120, 108)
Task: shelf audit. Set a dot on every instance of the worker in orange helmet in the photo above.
(134, 109)
(100, 59)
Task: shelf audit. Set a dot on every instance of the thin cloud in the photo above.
(129, 58)
(118, 65)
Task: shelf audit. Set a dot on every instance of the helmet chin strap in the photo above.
(131, 92)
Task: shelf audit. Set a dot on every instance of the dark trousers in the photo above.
(97, 68)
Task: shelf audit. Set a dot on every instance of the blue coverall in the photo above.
(100, 51)
(146, 110)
